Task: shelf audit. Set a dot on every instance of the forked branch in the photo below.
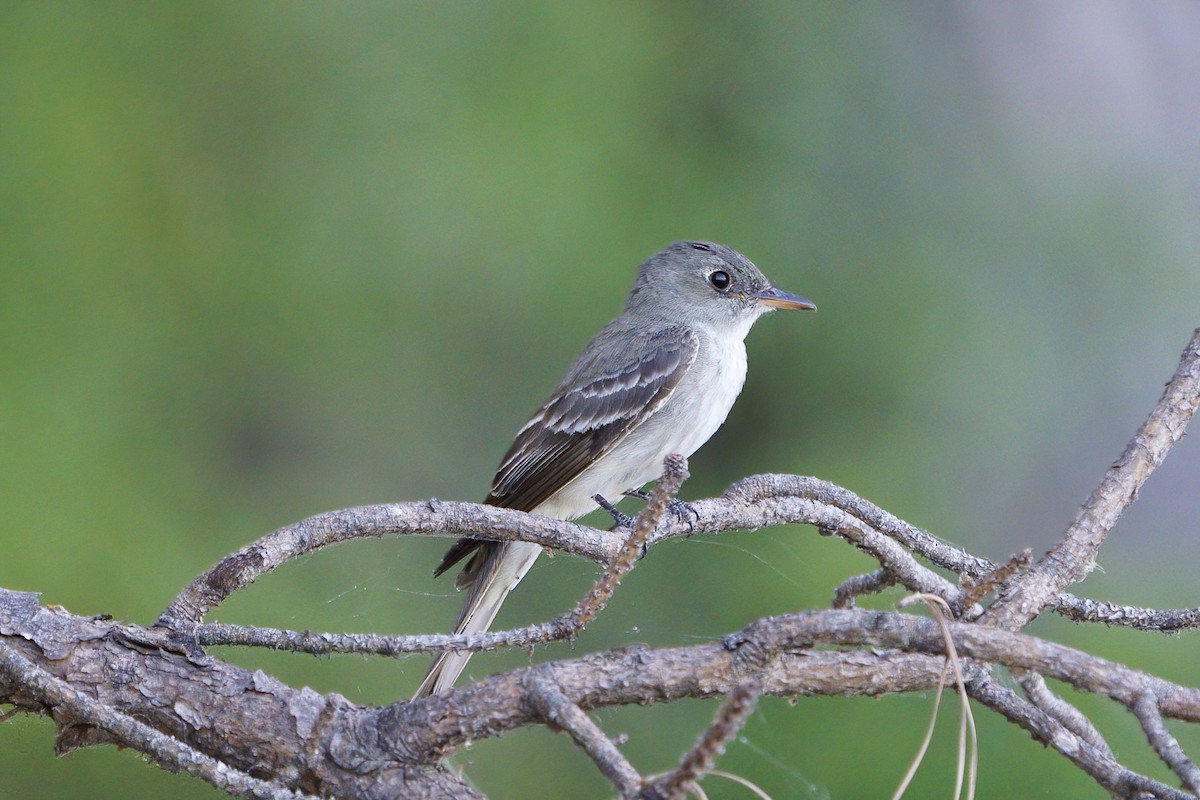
(158, 691)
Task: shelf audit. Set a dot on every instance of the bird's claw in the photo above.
(682, 511)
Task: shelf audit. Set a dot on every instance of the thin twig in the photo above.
(565, 626)
(859, 585)
(315, 643)
(1074, 556)
(425, 518)
(1145, 708)
(981, 586)
(559, 712)
(674, 474)
(1071, 718)
(730, 718)
(767, 490)
(1117, 779)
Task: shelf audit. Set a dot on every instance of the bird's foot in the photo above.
(682, 510)
(621, 519)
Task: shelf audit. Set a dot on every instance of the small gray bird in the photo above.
(658, 379)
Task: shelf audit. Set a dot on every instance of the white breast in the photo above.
(692, 414)
(700, 404)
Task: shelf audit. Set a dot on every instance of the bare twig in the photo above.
(564, 626)
(1117, 779)
(697, 761)
(897, 561)
(981, 586)
(559, 712)
(1145, 708)
(1071, 718)
(674, 474)
(1074, 556)
(870, 583)
(426, 518)
(767, 491)
(315, 643)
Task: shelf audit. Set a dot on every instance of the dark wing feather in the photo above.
(585, 419)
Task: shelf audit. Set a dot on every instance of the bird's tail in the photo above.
(494, 572)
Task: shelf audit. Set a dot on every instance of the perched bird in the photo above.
(658, 379)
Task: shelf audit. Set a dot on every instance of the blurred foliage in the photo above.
(262, 260)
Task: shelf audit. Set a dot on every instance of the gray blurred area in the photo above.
(259, 261)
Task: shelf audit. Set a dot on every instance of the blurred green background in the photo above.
(264, 260)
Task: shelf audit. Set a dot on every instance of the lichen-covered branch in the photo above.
(158, 691)
(308, 740)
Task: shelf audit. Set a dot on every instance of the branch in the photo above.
(250, 721)
(774, 655)
(157, 690)
(714, 516)
(71, 708)
(751, 503)
(109, 683)
(696, 762)
(565, 626)
(1014, 650)
(1145, 708)
(1105, 770)
(1074, 556)
(1169, 620)
(559, 712)
(427, 518)
(859, 585)
(1070, 717)
(674, 474)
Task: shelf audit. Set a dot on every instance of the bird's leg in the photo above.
(622, 519)
(682, 510)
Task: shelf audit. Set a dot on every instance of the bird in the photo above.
(660, 378)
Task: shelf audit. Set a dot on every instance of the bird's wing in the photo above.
(585, 418)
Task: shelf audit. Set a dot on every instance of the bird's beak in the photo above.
(779, 299)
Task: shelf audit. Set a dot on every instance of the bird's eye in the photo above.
(720, 280)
